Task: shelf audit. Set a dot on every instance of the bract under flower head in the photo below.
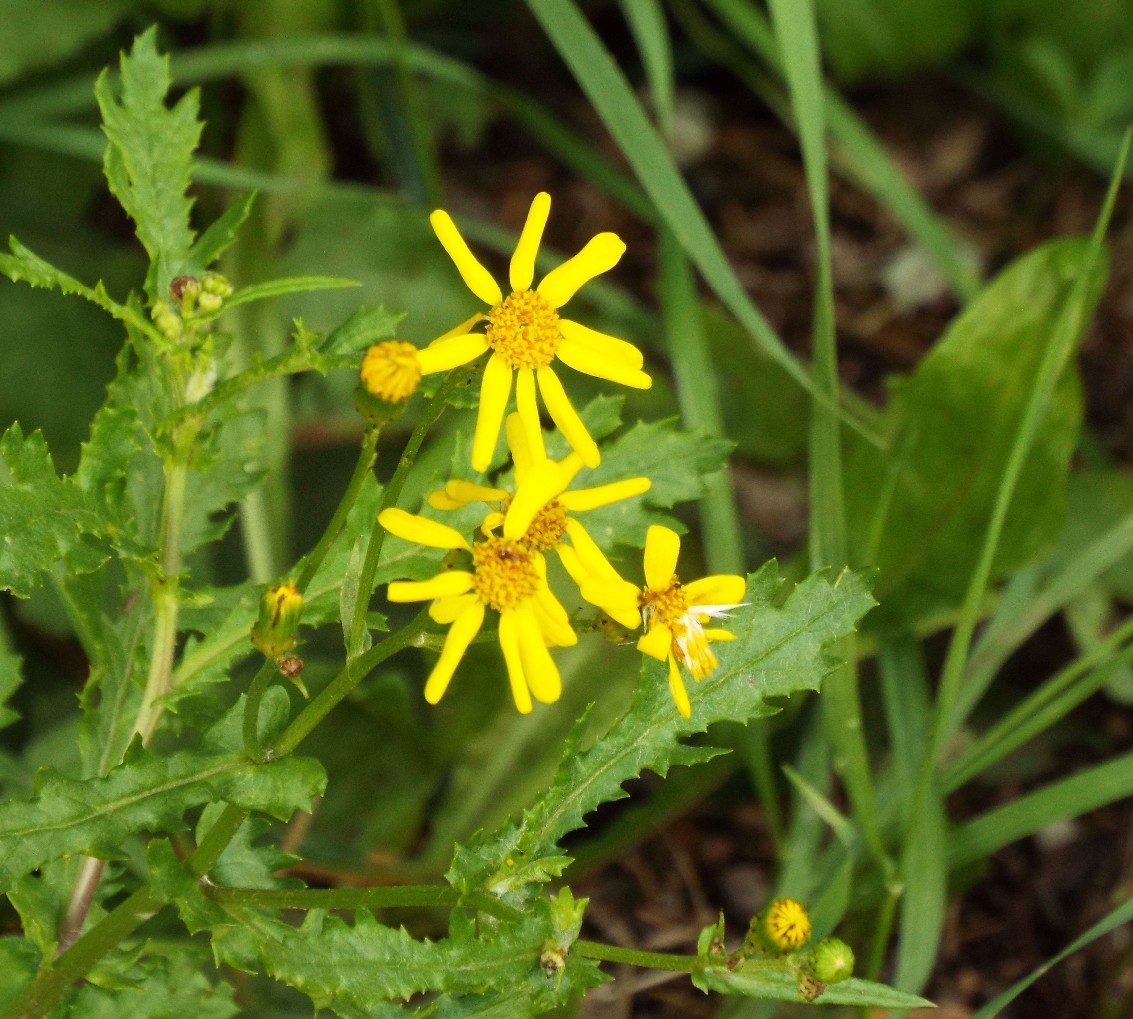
(526, 334)
(538, 515)
(673, 613)
(504, 577)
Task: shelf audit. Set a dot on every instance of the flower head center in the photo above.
(390, 370)
(524, 330)
(547, 529)
(668, 606)
(691, 644)
(504, 573)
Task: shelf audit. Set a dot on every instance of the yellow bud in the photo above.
(280, 609)
(782, 927)
(391, 371)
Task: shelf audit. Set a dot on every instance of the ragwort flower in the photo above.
(538, 515)
(504, 577)
(526, 334)
(390, 370)
(673, 613)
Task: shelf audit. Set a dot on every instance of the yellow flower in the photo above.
(390, 371)
(538, 514)
(504, 577)
(526, 334)
(673, 613)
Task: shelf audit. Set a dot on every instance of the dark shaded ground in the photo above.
(1033, 898)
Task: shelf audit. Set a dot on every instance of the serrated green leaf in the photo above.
(951, 425)
(366, 965)
(219, 235)
(778, 651)
(764, 981)
(149, 158)
(24, 265)
(147, 792)
(365, 327)
(248, 862)
(43, 518)
(163, 986)
(19, 961)
(676, 462)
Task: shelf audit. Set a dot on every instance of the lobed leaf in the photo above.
(779, 650)
(149, 159)
(43, 518)
(146, 792)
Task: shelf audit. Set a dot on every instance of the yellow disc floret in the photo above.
(391, 371)
(524, 330)
(547, 529)
(505, 573)
(690, 645)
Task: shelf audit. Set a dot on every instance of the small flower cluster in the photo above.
(783, 930)
(506, 571)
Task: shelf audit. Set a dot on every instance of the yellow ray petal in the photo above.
(509, 644)
(538, 666)
(721, 589)
(528, 411)
(617, 598)
(540, 485)
(443, 584)
(592, 556)
(566, 418)
(442, 355)
(583, 359)
(581, 499)
(662, 547)
(552, 618)
(491, 522)
(464, 327)
(475, 276)
(522, 269)
(600, 254)
(517, 445)
(445, 610)
(420, 530)
(495, 388)
(460, 635)
(441, 500)
(716, 634)
(602, 343)
(656, 642)
(465, 492)
(677, 689)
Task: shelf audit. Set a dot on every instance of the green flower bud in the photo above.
(280, 609)
(168, 322)
(214, 283)
(831, 961)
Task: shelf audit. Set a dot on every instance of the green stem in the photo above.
(881, 933)
(338, 898)
(256, 690)
(432, 412)
(635, 957)
(362, 470)
(355, 671)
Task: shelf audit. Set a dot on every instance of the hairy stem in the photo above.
(635, 957)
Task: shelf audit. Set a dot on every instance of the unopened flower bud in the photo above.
(831, 961)
(280, 609)
(168, 322)
(391, 371)
(782, 927)
(216, 284)
(185, 290)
